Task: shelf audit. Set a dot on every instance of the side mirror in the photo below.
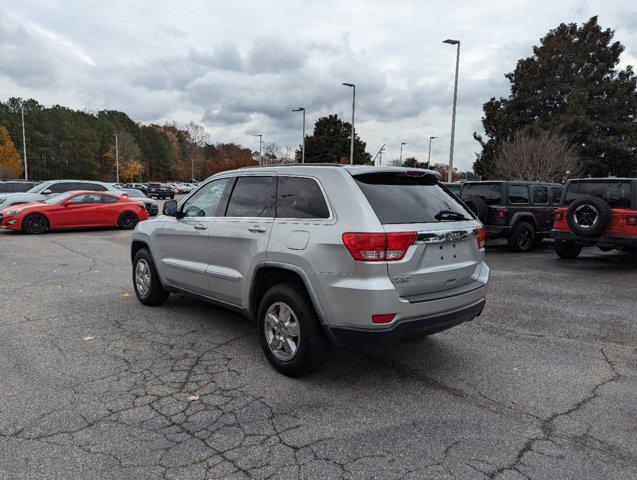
(47, 192)
(66, 204)
(170, 208)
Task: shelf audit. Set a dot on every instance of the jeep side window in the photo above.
(491, 193)
(518, 194)
(556, 195)
(540, 195)
(252, 197)
(299, 197)
(205, 202)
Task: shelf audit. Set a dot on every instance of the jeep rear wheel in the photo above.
(289, 331)
(567, 250)
(522, 238)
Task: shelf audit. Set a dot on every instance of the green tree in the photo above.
(570, 85)
(412, 162)
(330, 143)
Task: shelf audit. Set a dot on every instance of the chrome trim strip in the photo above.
(444, 236)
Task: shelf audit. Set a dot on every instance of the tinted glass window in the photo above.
(205, 201)
(400, 198)
(518, 194)
(491, 193)
(134, 193)
(22, 186)
(62, 187)
(300, 198)
(57, 198)
(79, 199)
(556, 195)
(90, 186)
(540, 195)
(252, 197)
(109, 199)
(616, 193)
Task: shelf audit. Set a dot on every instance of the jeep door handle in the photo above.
(200, 226)
(257, 229)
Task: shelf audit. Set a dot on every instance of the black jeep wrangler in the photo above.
(521, 212)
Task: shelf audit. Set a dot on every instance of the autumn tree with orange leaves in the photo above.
(10, 161)
(227, 156)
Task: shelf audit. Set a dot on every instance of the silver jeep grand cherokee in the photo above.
(351, 255)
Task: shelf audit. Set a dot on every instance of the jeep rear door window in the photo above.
(402, 198)
(491, 193)
(252, 197)
(556, 195)
(616, 193)
(300, 198)
(518, 194)
(540, 195)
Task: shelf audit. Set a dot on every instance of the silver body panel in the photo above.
(219, 260)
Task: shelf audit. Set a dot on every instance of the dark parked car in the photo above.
(149, 203)
(16, 186)
(521, 212)
(598, 212)
(159, 190)
(137, 186)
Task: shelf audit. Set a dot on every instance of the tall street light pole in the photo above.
(301, 109)
(260, 147)
(24, 147)
(429, 156)
(455, 99)
(351, 148)
(401, 151)
(116, 157)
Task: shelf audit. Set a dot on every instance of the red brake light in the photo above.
(383, 318)
(502, 212)
(631, 219)
(378, 247)
(481, 234)
(559, 215)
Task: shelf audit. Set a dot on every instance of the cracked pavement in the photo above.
(95, 385)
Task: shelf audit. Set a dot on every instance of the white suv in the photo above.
(317, 254)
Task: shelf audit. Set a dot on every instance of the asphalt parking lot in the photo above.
(95, 385)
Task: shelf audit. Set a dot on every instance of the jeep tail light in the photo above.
(383, 318)
(481, 234)
(559, 215)
(378, 247)
(631, 219)
(502, 213)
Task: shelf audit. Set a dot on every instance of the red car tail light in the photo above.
(481, 235)
(502, 213)
(383, 318)
(631, 219)
(378, 247)
(559, 215)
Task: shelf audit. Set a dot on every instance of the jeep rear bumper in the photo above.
(614, 241)
(498, 231)
(408, 328)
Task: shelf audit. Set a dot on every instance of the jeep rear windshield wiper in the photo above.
(443, 215)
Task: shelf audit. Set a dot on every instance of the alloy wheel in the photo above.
(282, 332)
(142, 277)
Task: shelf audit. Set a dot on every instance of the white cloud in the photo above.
(240, 67)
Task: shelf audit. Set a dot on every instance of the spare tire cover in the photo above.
(589, 216)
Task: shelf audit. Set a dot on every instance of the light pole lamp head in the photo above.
(451, 41)
(431, 138)
(349, 85)
(300, 109)
(403, 143)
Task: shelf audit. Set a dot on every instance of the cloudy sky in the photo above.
(239, 67)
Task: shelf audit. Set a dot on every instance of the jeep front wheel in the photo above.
(567, 250)
(289, 331)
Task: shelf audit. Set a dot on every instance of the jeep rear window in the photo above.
(616, 193)
(402, 198)
(491, 193)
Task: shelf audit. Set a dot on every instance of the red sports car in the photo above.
(74, 210)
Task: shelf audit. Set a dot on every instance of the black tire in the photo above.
(567, 250)
(312, 344)
(172, 197)
(589, 216)
(35, 224)
(522, 237)
(479, 207)
(127, 220)
(155, 294)
(605, 249)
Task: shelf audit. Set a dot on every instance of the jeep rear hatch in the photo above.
(443, 251)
